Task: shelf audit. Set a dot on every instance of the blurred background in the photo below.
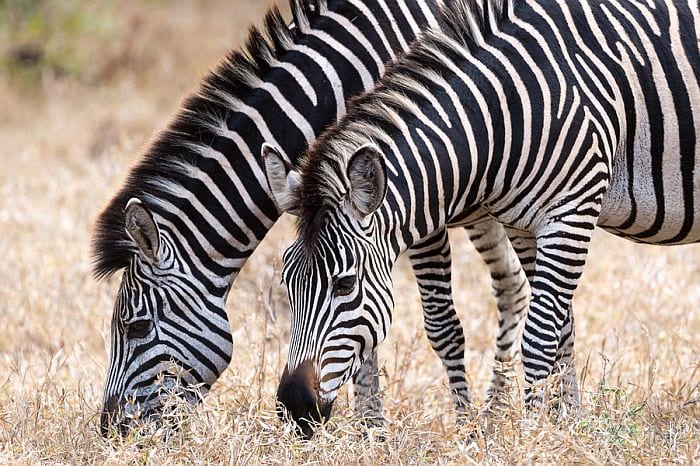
(143, 55)
(83, 86)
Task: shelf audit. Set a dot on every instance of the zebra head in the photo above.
(169, 335)
(339, 283)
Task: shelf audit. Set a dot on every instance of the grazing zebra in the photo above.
(196, 206)
(552, 116)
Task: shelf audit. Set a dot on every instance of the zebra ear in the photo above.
(282, 178)
(142, 229)
(367, 174)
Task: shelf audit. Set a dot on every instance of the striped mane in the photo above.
(165, 161)
(464, 25)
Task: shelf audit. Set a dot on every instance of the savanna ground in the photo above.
(77, 105)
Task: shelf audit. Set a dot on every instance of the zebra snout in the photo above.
(159, 405)
(110, 418)
(297, 397)
(120, 416)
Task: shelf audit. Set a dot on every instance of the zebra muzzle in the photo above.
(297, 398)
(162, 405)
(111, 420)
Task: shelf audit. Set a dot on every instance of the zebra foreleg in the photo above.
(368, 399)
(510, 288)
(432, 264)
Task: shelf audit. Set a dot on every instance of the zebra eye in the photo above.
(343, 286)
(138, 329)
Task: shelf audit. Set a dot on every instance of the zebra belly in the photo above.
(653, 203)
(654, 192)
(650, 226)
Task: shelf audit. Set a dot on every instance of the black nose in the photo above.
(297, 398)
(110, 412)
(299, 404)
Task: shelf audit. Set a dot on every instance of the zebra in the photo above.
(549, 116)
(197, 204)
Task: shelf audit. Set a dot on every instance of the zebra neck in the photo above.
(442, 158)
(203, 177)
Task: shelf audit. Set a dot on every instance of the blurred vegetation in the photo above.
(56, 37)
(97, 41)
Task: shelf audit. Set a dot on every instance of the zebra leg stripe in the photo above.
(368, 398)
(510, 288)
(431, 263)
(525, 247)
(561, 254)
(432, 267)
(564, 364)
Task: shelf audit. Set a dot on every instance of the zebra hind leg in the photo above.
(525, 247)
(565, 368)
(548, 336)
(431, 262)
(511, 291)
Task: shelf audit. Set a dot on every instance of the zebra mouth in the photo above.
(131, 419)
(299, 399)
(308, 418)
(142, 423)
(160, 407)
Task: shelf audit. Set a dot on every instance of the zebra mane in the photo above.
(463, 27)
(166, 159)
(471, 22)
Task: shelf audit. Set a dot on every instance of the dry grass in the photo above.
(66, 143)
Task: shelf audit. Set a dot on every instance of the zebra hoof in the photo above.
(563, 408)
(373, 429)
(469, 421)
(373, 421)
(493, 414)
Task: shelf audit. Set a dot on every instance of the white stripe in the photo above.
(300, 78)
(693, 91)
(331, 76)
(360, 37)
(672, 177)
(377, 27)
(292, 113)
(412, 22)
(365, 76)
